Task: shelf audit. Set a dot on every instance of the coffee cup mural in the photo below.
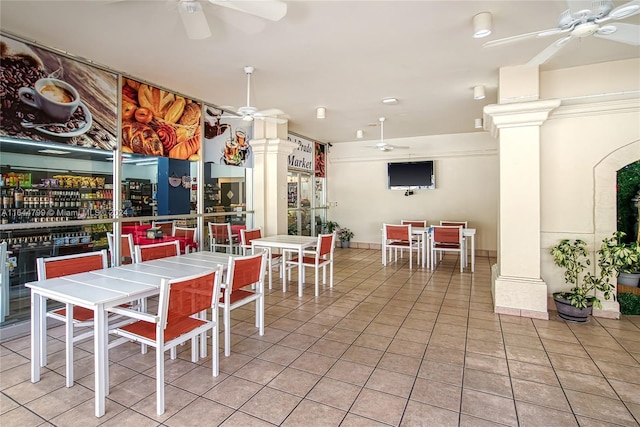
(56, 98)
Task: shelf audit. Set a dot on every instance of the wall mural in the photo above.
(156, 122)
(226, 139)
(49, 97)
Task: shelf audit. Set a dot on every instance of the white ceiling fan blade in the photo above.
(272, 10)
(194, 20)
(624, 33)
(549, 51)
(269, 112)
(626, 10)
(277, 120)
(512, 39)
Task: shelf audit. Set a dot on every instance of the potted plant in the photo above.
(345, 235)
(330, 227)
(623, 257)
(577, 303)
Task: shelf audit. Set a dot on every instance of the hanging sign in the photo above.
(302, 157)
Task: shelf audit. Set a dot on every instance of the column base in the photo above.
(520, 296)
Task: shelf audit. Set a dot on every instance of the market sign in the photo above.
(302, 157)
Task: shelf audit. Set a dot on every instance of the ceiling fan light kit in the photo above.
(478, 92)
(482, 25)
(581, 24)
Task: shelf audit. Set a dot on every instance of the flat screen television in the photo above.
(411, 175)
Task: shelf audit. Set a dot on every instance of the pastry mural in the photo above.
(226, 139)
(46, 96)
(159, 123)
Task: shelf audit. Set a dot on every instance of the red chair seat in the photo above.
(173, 329)
(80, 314)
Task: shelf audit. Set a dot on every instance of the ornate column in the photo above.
(518, 288)
(271, 150)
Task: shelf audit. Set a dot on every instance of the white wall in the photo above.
(466, 172)
(595, 132)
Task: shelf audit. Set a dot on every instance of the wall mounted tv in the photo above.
(411, 175)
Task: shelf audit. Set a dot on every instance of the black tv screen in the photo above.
(411, 175)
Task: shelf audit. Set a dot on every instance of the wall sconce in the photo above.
(482, 25)
(359, 134)
(320, 112)
(478, 92)
(478, 124)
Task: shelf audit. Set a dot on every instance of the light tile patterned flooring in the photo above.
(386, 347)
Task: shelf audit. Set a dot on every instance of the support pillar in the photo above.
(518, 288)
(271, 151)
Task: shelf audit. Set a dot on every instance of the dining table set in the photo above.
(103, 289)
(423, 237)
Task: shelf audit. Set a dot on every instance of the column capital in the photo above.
(272, 145)
(534, 113)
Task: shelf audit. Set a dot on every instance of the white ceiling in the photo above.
(343, 55)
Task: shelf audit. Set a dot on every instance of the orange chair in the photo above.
(244, 284)
(166, 227)
(463, 224)
(321, 257)
(177, 321)
(220, 236)
(447, 238)
(127, 251)
(188, 233)
(398, 236)
(157, 250)
(72, 316)
(273, 260)
(414, 223)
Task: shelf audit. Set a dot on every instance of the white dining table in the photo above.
(425, 233)
(100, 290)
(285, 243)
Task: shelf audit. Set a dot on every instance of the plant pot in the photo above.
(629, 279)
(568, 312)
(345, 244)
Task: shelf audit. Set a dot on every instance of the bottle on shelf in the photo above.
(18, 196)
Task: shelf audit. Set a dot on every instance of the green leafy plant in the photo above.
(330, 227)
(629, 303)
(345, 234)
(573, 256)
(623, 257)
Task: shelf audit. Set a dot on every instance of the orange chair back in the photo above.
(126, 247)
(166, 227)
(190, 296)
(462, 224)
(246, 270)
(325, 244)
(157, 250)
(446, 234)
(398, 232)
(49, 268)
(189, 233)
(248, 235)
(220, 231)
(420, 223)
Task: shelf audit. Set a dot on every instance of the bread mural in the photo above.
(159, 123)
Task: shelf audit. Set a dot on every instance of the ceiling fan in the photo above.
(582, 23)
(383, 146)
(195, 21)
(249, 113)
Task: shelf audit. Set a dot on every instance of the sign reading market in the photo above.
(302, 157)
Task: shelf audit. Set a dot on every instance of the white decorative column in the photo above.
(271, 150)
(518, 288)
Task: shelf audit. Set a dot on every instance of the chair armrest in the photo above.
(139, 315)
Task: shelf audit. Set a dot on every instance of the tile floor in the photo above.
(386, 347)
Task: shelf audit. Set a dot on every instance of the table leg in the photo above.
(100, 359)
(300, 272)
(69, 343)
(473, 253)
(36, 330)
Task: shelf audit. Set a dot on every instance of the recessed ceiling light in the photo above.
(390, 101)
